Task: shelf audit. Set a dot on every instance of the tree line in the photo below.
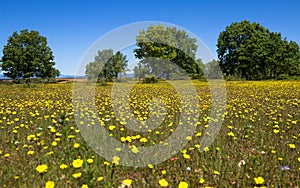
(245, 50)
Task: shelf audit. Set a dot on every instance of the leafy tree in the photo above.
(27, 55)
(99, 67)
(159, 44)
(106, 65)
(140, 71)
(212, 70)
(250, 51)
(118, 64)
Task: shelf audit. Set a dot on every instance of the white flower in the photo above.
(241, 163)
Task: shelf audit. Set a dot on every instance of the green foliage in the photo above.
(150, 78)
(213, 70)
(27, 55)
(159, 47)
(106, 65)
(248, 50)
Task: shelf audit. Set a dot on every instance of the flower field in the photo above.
(258, 144)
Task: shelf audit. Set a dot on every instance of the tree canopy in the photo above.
(248, 50)
(158, 45)
(106, 65)
(27, 55)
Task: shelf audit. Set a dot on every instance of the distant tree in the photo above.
(106, 65)
(27, 55)
(212, 70)
(159, 44)
(140, 71)
(99, 67)
(118, 64)
(248, 50)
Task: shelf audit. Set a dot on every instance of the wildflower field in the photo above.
(258, 144)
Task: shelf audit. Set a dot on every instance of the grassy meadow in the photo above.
(258, 144)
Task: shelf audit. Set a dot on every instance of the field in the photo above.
(258, 144)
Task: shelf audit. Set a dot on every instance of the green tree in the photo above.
(27, 55)
(99, 67)
(248, 50)
(159, 44)
(140, 71)
(212, 70)
(106, 65)
(118, 64)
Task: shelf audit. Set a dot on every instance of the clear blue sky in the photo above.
(72, 26)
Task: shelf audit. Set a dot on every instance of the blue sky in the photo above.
(73, 26)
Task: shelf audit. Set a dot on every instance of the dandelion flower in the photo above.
(76, 145)
(292, 146)
(259, 180)
(90, 161)
(77, 163)
(50, 184)
(63, 166)
(163, 183)
(77, 175)
(41, 168)
(183, 184)
(201, 180)
(127, 182)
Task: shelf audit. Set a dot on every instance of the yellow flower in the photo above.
(183, 184)
(54, 143)
(163, 172)
(163, 183)
(143, 140)
(134, 149)
(50, 184)
(275, 131)
(30, 152)
(206, 149)
(216, 172)
(77, 163)
(100, 178)
(63, 166)
(186, 156)
(199, 134)
(111, 127)
(230, 134)
(292, 146)
(127, 182)
(76, 145)
(188, 138)
(259, 180)
(123, 139)
(90, 161)
(52, 129)
(299, 159)
(116, 160)
(84, 186)
(77, 175)
(41, 168)
(201, 180)
(150, 166)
